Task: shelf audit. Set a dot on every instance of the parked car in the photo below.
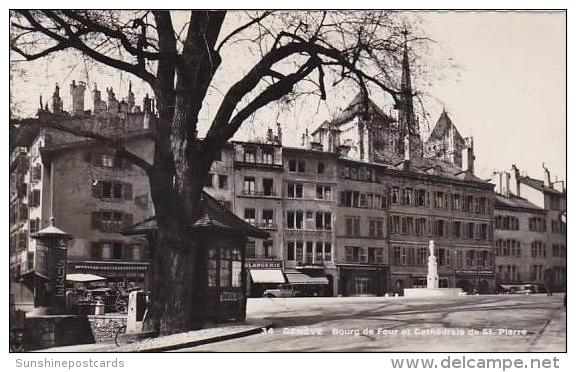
(523, 289)
(283, 290)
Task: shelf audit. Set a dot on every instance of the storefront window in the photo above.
(212, 267)
(236, 273)
(225, 272)
(362, 285)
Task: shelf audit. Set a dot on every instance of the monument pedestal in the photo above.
(432, 282)
(432, 292)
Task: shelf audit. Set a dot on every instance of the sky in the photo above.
(508, 91)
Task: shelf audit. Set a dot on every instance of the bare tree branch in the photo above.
(242, 28)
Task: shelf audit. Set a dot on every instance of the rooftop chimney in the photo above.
(546, 176)
(57, 105)
(99, 106)
(77, 92)
(279, 130)
(468, 155)
(112, 102)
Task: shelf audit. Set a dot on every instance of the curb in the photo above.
(231, 336)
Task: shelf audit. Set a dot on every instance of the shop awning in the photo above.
(300, 278)
(267, 276)
(83, 278)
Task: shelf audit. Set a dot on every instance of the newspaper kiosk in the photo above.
(224, 236)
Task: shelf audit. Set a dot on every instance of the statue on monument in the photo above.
(432, 278)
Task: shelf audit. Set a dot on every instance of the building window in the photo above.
(111, 190)
(208, 180)
(268, 156)
(136, 252)
(249, 186)
(34, 198)
(309, 253)
(249, 155)
(268, 217)
(223, 181)
(456, 231)
(439, 228)
(36, 175)
(422, 258)
(396, 255)
(268, 246)
(111, 221)
(295, 190)
(213, 266)
(420, 226)
(291, 253)
(323, 192)
(108, 161)
(353, 226)
(394, 224)
(250, 215)
(439, 200)
(323, 221)
(468, 203)
(456, 202)
(376, 228)
(294, 220)
(394, 198)
(470, 230)
(250, 249)
(421, 197)
(320, 168)
(268, 186)
(538, 249)
(327, 251)
(117, 251)
(34, 225)
(537, 224)
(295, 165)
(375, 255)
(407, 196)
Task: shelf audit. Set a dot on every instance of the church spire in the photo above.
(406, 117)
(409, 131)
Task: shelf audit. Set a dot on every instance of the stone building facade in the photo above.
(530, 230)
(87, 190)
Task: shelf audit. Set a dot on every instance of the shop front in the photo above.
(308, 284)
(263, 275)
(362, 280)
(475, 280)
(220, 280)
(122, 275)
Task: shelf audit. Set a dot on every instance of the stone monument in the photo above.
(432, 288)
(432, 278)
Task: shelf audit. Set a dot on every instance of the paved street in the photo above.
(497, 323)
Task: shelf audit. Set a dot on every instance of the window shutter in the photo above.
(96, 220)
(127, 191)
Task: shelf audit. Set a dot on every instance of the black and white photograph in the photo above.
(307, 181)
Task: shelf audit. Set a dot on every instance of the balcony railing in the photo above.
(258, 193)
(267, 226)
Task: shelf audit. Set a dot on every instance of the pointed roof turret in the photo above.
(406, 118)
